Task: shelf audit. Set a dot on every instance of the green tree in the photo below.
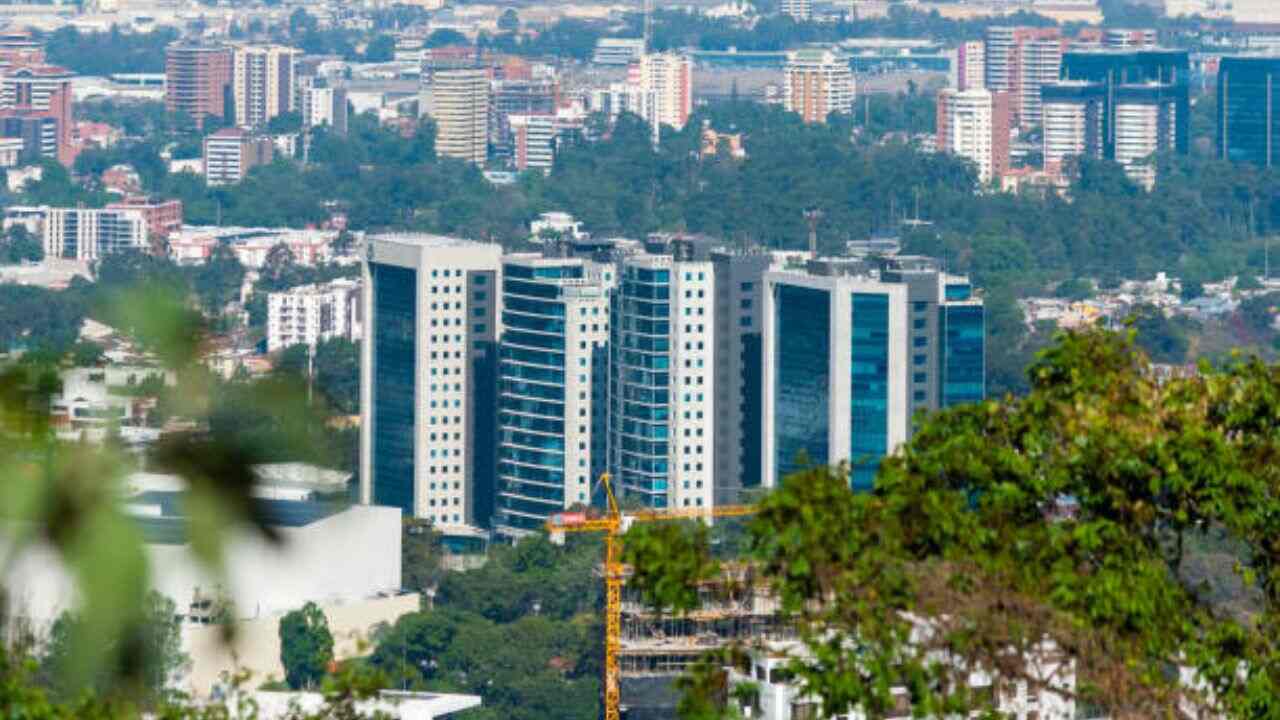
(19, 245)
(86, 354)
(381, 49)
(218, 281)
(306, 646)
(289, 122)
(1068, 517)
(509, 21)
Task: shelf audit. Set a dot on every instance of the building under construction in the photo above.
(732, 609)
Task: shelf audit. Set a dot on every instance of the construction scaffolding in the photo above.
(732, 610)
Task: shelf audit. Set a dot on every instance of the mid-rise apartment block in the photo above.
(533, 141)
(818, 82)
(553, 387)
(37, 134)
(969, 66)
(37, 99)
(198, 79)
(1248, 122)
(974, 124)
(90, 234)
(230, 153)
(662, 380)
(262, 83)
(801, 10)
(664, 83)
(321, 105)
(429, 378)
(163, 217)
(458, 102)
(310, 314)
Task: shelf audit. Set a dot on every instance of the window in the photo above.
(920, 342)
(920, 377)
(479, 328)
(919, 359)
(481, 279)
(745, 304)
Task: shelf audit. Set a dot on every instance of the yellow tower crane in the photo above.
(612, 527)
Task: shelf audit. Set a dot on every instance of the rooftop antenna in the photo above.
(813, 216)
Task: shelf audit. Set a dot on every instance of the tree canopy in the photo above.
(1072, 516)
(306, 646)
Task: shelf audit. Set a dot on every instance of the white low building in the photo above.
(310, 314)
(330, 553)
(193, 245)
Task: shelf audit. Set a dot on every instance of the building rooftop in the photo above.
(423, 240)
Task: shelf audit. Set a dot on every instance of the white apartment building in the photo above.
(662, 428)
(263, 82)
(458, 102)
(552, 392)
(1072, 122)
(230, 153)
(89, 234)
(974, 124)
(324, 107)
(194, 244)
(1041, 65)
(1143, 129)
(617, 51)
(310, 314)
(665, 85)
(969, 66)
(817, 82)
(801, 10)
(782, 697)
(428, 372)
(533, 141)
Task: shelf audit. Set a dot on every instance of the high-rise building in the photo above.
(739, 340)
(90, 234)
(974, 124)
(836, 373)
(665, 85)
(947, 331)
(969, 66)
(198, 81)
(38, 133)
(662, 380)
(262, 83)
(230, 153)
(458, 102)
(1248, 124)
(1072, 112)
(818, 82)
(41, 91)
(533, 139)
(1141, 100)
(552, 388)
(428, 378)
(801, 10)
(1019, 60)
(850, 354)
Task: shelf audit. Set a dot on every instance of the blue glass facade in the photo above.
(394, 373)
(531, 403)
(1248, 125)
(642, 381)
(963, 357)
(869, 368)
(801, 401)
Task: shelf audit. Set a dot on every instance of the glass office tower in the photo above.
(552, 387)
(836, 372)
(428, 359)
(1248, 124)
(662, 381)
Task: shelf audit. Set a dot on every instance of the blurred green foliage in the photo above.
(1076, 515)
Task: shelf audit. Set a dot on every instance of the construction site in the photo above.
(734, 609)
